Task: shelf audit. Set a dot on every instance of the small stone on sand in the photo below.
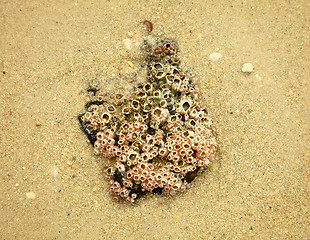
(129, 34)
(130, 64)
(247, 68)
(30, 195)
(128, 44)
(54, 171)
(215, 56)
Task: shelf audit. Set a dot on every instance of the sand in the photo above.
(52, 185)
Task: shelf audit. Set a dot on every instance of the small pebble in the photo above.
(215, 166)
(129, 34)
(130, 64)
(38, 124)
(247, 68)
(54, 171)
(30, 195)
(127, 43)
(215, 56)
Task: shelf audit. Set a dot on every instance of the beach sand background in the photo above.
(52, 185)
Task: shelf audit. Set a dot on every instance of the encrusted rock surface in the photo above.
(159, 138)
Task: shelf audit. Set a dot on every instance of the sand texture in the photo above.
(52, 185)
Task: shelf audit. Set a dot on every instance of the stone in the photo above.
(127, 43)
(215, 56)
(30, 195)
(247, 68)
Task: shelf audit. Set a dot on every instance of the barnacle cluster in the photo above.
(158, 139)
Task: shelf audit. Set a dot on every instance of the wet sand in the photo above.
(52, 185)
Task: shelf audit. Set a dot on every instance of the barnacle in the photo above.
(157, 140)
